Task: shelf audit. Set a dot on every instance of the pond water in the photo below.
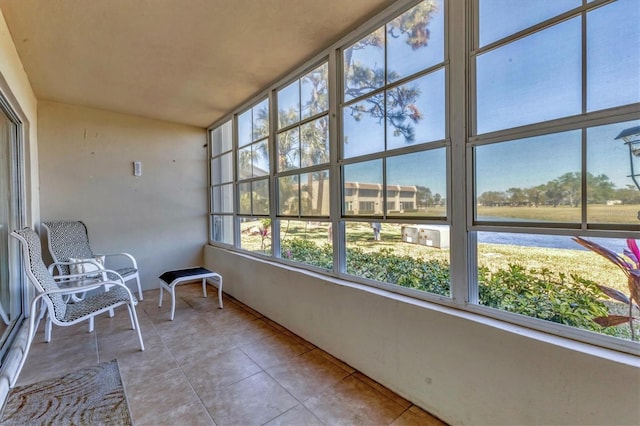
(550, 241)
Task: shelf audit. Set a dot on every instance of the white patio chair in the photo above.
(69, 240)
(51, 291)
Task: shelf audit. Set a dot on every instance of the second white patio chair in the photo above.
(68, 242)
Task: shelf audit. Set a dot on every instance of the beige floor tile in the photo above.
(297, 416)
(199, 346)
(220, 371)
(138, 367)
(274, 350)
(354, 402)
(415, 416)
(225, 317)
(157, 397)
(58, 357)
(252, 401)
(307, 375)
(192, 414)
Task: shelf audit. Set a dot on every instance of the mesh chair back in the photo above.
(36, 269)
(67, 239)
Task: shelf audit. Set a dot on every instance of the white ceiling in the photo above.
(187, 61)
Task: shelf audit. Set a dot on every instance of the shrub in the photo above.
(306, 251)
(541, 294)
(572, 300)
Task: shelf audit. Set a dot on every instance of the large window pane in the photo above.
(253, 161)
(289, 149)
(415, 40)
(612, 196)
(255, 234)
(314, 145)
(613, 58)
(535, 179)
(245, 163)
(417, 184)
(415, 111)
(222, 229)
(261, 197)
(244, 197)
(364, 65)
(534, 79)
(260, 158)
(288, 196)
(222, 199)
(363, 127)
(501, 18)
(362, 188)
(551, 277)
(314, 193)
(245, 128)
(221, 138)
(222, 169)
(289, 104)
(261, 120)
(411, 256)
(307, 242)
(314, 91)
(253, 124)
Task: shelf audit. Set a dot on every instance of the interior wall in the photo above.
(86, 170)
(460, 367)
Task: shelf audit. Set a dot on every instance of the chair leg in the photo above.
(47, 328)
(111, 313)
(140, 297)
(220, 305)
(91, 324)
(132, 309)
(133, 324)
(160, 301)
(173, 302)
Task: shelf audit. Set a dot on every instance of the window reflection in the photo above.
(532, 179)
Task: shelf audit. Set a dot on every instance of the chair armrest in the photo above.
(127, 255)
(91, 275)
(91, 261)
(83, 288)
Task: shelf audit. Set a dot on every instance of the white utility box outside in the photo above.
(427, 235)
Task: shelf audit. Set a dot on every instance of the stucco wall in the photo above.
(86, 169)
(463, 368)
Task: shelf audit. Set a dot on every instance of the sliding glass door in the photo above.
(11, 217)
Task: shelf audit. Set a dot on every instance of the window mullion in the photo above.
(461, 252)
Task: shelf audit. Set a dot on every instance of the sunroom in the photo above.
(424, 197)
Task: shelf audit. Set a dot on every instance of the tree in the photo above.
(536, 195)
(400, 111)
(492, 198)
(424, 197)
(517, 196)
(599, 188)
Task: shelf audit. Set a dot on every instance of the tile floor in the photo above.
(213, 366)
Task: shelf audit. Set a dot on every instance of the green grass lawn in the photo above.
(596, 213)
